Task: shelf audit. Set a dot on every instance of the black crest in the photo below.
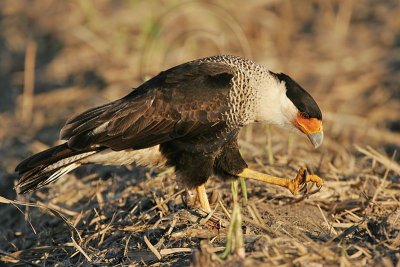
(300, 97)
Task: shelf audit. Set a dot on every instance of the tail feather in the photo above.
(47, 166)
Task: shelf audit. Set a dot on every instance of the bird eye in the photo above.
(305, 115)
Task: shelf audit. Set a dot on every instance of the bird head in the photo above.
(292, 108)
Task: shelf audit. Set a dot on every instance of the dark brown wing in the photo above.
(183, 102)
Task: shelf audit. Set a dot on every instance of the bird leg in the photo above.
(202, 194)
(294, 185)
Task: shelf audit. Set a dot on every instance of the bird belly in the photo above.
(145, 157)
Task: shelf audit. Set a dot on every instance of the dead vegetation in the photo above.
(60, 58)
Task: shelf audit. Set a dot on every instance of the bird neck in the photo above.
(273, 106)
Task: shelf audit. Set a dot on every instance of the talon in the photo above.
(299, 183)
(304, 189)
(301, 171)
(315, 179)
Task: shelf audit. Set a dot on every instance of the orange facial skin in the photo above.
(308, 125)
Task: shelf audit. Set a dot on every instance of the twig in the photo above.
(126, 246)
(380, 158)
(152, 248)
(16, 258)
(158, 205)
(168, 251)
(80, 249)
(223, 208)
(330, 226)
(382, 184)
(28, 219)
(205, 220)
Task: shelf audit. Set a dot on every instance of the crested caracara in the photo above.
(187, 117)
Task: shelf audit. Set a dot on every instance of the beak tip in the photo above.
(316, 146)
(316, 138)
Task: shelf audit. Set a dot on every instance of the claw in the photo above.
(304, 189)
(302, 178)
(305, 172)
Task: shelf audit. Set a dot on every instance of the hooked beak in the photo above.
(316, 138)
(312, 128)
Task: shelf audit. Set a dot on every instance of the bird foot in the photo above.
(189, 198)
(302, 178)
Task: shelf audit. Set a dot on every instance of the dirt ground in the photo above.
(59, 58)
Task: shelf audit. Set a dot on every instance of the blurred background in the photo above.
(59, 58)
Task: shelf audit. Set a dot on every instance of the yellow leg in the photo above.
(294, 185)
(202, 194)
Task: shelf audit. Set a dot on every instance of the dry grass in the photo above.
(60, 58)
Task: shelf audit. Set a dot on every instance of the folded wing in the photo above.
(183, 102)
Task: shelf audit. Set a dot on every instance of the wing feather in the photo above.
(182, 102)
